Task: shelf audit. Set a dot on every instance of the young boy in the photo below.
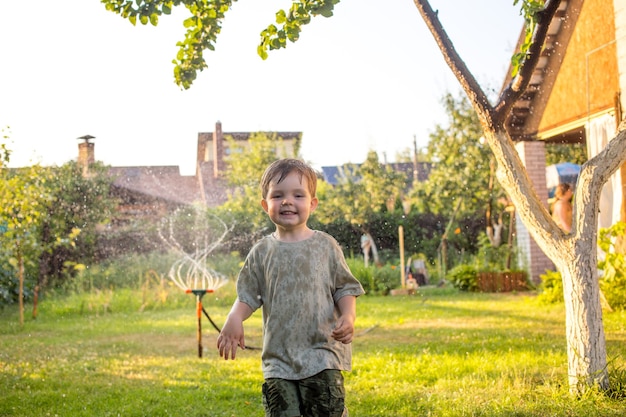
(308, 294)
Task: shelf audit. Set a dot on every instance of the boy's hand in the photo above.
(344, 330)
(231, 337)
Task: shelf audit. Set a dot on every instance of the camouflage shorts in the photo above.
(321, 395)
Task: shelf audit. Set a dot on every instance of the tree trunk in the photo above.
(575, 257)
(586, 347)
(574, 254)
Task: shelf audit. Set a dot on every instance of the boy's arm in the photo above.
(344, 329)
(231, 335)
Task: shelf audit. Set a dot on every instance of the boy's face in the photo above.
(289, 203)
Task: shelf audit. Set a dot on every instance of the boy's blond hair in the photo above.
(281, 168)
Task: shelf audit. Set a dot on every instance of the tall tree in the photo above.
(364, 190)
(574, 254)
(462, 170)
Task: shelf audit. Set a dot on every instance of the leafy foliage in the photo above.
(291, 22)
(461, 164)
(366, 189)
(205, 19)
(551, 288)
(491, 258)
(464, 277)
(570, 152)
(530, 10)
(613, 280)
(205, 23)
(80, 205)
(23, 202)
(49, 218)
(376, 280)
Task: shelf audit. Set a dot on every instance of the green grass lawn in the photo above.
(438, 353)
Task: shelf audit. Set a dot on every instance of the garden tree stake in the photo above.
(401, 238)
(199, 309)
(443, 246)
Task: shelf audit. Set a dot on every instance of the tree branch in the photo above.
(454, 61)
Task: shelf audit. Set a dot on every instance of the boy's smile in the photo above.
(289, 204)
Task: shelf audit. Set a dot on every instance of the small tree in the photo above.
(365, 190)
(23, 201)
(78, 206)
(463, 170)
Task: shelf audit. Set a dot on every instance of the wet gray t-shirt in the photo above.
(298, 284)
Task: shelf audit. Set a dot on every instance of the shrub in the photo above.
(464, 277)
(386, 278)
(613, 280)
(375, 279)
(492, 258)
(364, 274)
(551, 288)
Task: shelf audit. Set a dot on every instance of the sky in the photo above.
(369, 78)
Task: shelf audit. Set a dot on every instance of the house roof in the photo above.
(523, 121)
(157, 181)
(334, 174)
(166, 183)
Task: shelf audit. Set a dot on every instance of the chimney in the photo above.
(202, 151)
(86, 153)
(218, 150)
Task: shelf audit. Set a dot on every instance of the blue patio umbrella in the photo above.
(565, 172)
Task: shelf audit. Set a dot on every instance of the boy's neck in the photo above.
(293, 235)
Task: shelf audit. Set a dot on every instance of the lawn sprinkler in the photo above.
(191, 272)
(198, 279)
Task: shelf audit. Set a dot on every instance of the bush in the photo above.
(613, 280)
(492, 258)
(364, 274)
(386, 278)
(378, 280)
(464, 277)
(551, 288)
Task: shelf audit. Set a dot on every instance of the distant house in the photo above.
(166, 183)
(574, 97)
(414, 172)
(148, 193)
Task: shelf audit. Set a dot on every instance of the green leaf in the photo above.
(189, 22)
(281, 17)
(166, 9)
